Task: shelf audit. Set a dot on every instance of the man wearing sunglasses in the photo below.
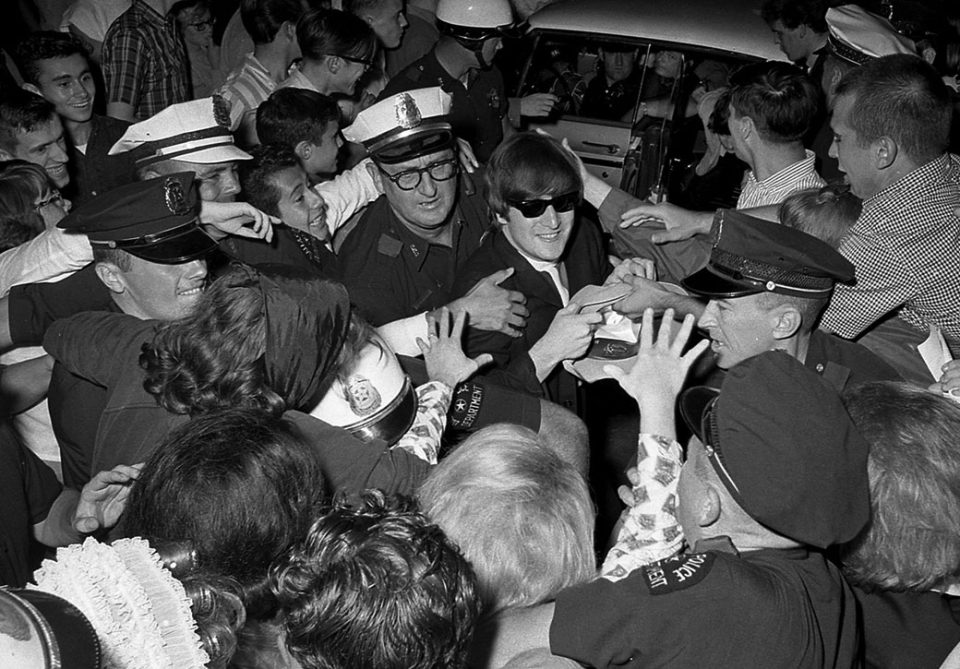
(404, 255)
(534, 188)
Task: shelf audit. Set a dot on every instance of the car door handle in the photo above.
(612, 149)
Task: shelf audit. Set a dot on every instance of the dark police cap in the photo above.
(157, 220)
(752, 256)
(782, 443)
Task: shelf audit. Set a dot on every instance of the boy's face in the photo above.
(298, 205)
(322, 160)
(68, 85)
(43, 146)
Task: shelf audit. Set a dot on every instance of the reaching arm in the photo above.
(98, 506)
(52, 254)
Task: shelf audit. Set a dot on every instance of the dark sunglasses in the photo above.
(533, 208)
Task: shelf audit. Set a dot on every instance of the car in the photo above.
(641, 132)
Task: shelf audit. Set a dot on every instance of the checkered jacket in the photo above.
(906, 250)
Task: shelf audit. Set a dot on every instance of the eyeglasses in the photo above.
(442, 170)
(367, 64)
(202, 26)
(533, 208)
(54, 198)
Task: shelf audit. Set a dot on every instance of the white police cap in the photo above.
(858, 36)
(404, 126)
(197, 132)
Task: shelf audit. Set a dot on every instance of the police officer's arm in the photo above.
(27, 312)
(94, 344)
(491, 307)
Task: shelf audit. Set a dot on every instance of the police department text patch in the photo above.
(677, 573)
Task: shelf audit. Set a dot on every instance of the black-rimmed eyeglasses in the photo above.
(367, 64)
(442, 170)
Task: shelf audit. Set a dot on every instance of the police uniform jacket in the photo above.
(586, 264)
(391, 273)
(761, 609)
(844, 363)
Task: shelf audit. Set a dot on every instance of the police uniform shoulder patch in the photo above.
(677, 573)
(389, 246)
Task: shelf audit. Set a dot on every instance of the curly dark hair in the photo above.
(377, 585)
(213, 358)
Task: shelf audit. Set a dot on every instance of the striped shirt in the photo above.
(246, 88)
(906, 250)
(779, 186)
(144, 61)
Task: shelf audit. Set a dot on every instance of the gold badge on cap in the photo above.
(408, 114)
(175, 198)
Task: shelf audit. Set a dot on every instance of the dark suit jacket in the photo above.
(586, 264)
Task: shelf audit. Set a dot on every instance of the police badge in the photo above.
(493, 98)
(408, 114)
(175, 198)
(363, 396)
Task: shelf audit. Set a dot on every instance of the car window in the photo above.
(628, 107)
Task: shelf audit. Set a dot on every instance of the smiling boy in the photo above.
(56, 66)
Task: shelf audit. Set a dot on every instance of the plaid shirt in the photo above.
(778, 187)
(246, 88)
(144, 61)
(906, 250)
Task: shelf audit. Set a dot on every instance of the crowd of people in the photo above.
(302, 333)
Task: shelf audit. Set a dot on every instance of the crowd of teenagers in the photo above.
(312, 350)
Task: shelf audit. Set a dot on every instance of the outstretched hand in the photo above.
(661, 368)
(104, 498)
(677, 223)
(443, 352)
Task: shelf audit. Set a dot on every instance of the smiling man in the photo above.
(55, 66)
(31, 130)
(192, 136)
(534, 187)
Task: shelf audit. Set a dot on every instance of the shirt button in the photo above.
(820, 368)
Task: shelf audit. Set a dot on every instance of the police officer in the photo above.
(766, 285)
(462, 64)
(776, 473)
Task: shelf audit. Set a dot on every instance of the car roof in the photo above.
(732, 26)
